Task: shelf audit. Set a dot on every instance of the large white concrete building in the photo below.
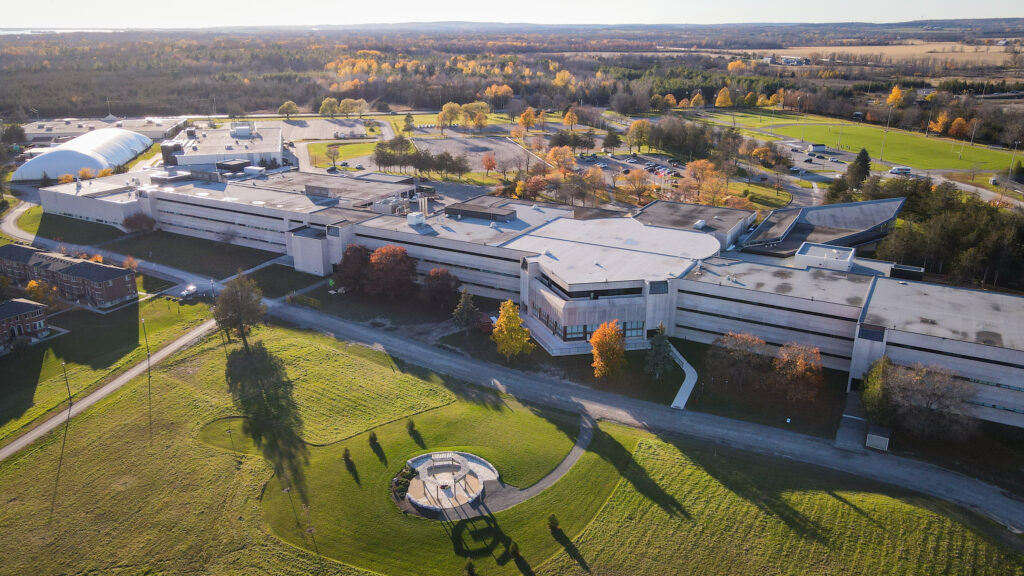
(242, 141)
(61, 130)
(571, 269)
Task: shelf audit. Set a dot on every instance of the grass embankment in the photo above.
(277, 280)
(176, 504)
(62, 228)
(904, 148)
(763, 118)
(198, 255)
(97, 347)
(346, 151)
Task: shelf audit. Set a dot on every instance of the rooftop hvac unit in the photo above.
(415, 219)
(699, 224)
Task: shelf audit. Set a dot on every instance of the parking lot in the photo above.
(474, 148)
(316, 128)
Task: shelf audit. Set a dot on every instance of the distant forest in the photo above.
(242, 71)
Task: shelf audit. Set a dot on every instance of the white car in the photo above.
(602, 165)
(189, 291)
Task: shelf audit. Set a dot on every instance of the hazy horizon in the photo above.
(196, 14)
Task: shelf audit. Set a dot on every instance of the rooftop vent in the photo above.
(699, 224)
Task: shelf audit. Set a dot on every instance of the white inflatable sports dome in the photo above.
(100, 149)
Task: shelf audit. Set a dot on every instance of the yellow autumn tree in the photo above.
(895, 97)
(959, 128)
(561, 158)
(737, 66)
(570, 119)
(939, 124)
(66, 179)
(528, 119)
(609, 349)
(670, 101)
(511, 337)
(723, 100)
(698, 100)
(41, 292)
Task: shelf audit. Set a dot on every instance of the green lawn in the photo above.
(70, 230)
(904, 148)
(131, 499)
(12, 203)
(764, 117)
(318, 152)
(207, 257)
(763, 197)
(725, 512)
(151, 284)
(819, 416)
(277, 280)
(148, 154)
(96, 347)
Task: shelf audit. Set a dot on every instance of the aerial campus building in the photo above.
(62, 130)
(699, 271)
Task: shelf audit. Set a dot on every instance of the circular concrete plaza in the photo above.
(447, 480)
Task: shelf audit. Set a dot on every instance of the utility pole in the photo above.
(881, 155)
(149, 379)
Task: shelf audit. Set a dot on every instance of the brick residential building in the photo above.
(21, 318)
(76, 280)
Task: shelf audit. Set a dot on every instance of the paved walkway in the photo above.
(689, 380)
(853, 427)
(84, 404)
(498, 496)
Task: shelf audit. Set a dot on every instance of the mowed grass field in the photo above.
(346, 151)
(96, 347)
(903, 148)
(207, 257)
(196, 500)
(69, 230)
(723, 512)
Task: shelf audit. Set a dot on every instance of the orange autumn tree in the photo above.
(798, 371)
(489, 163)
(609, 349)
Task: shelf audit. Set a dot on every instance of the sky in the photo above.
(205, 13)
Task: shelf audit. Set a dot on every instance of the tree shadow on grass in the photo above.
(262, 391)
(462, 390)
(739, 476)
(378, 450)
(606, 446)
(350, 465)
(570, 548)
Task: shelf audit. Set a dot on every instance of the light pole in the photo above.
(1009, 171)
(881, 155)
(63, 366)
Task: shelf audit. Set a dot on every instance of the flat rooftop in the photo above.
(81, 125)
(356, 190)
(223, 141)
(810, 284)
(826, 251)
(475, 230)
(614, 250)
(683, 216)
(247, 193)
(977, 316)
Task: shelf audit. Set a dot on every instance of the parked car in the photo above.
(625, 171)
(332, 169)
(189, 291)
(809, 161)
(343, 164)
(631, 161)
(602, 165)
(359, 167)
(836, 160)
